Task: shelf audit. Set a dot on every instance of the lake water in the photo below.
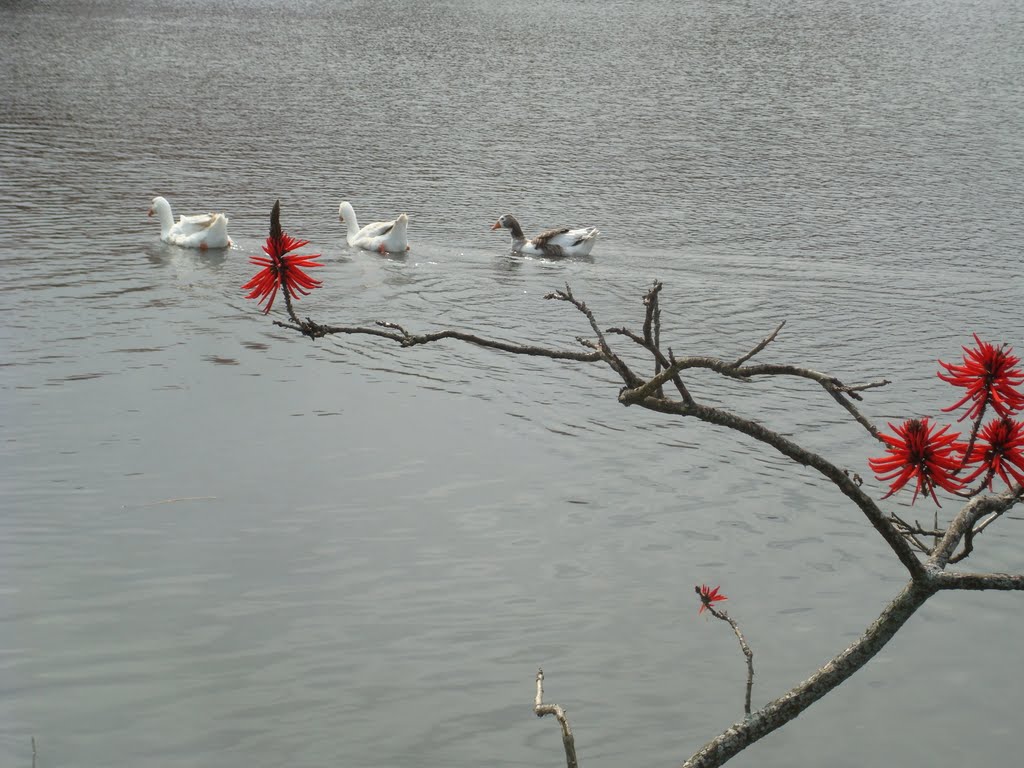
(222, 544)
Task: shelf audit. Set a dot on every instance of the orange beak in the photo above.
(497, 225)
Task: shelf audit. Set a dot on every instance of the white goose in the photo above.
(381, 236)
(207, 230)
(553, 243)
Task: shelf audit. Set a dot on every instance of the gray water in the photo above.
(222, 544)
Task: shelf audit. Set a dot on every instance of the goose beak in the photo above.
(497, 225)
(150, 212)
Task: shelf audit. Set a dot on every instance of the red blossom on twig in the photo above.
(917, 450)
(990, 378)
(708, 596)
(999, 450)
(280, 269)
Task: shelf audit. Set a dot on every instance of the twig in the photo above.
(764, 343)
(917, 528)
(987, 522)
(744, 646)
(33, 752)
(567, 296)
(963, 524)
(839, 391)
(984, 483)
(974, 436)
(541, 709)
(276, 235)
(616, 363)
(911, 532)
(683, 392)
(970, 533)
(662, 362)
(309, 328)
(288, 299)
(652, 326)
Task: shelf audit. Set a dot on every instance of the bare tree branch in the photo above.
(904, 538)
(801, 455)
(779, 712)
(836, 389)
(309, 328)
(963, 523)
(541, 709)
(652, 339)
(652, 324)
(838, 395)
(643, 393)
(980, 581)
(662, 362)
(987, 522)
(567, 296)
(613, 360)
(743, 372)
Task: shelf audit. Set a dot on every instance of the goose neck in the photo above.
(163, 213)
(516, 230)
(348, 215)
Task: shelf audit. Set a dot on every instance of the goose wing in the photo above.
(565, 241)
(377, 229)
(190, 225)
(550, 237)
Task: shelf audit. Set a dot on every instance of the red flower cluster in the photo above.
(281, 270)
(708, 596)
(917, 450)
(920, 451)
(989, 376)
(999, 450)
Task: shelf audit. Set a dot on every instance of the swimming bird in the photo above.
(553, 243)
(381, 236)
(206, 230)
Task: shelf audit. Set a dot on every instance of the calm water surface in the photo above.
(222, 544)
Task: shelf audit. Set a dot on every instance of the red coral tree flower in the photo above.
(917, 450)
(990, 378)
(999, 450)
(281, 269)
(708, 596)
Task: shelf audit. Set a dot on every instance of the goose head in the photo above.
(346, 213)
(508, 221)
(505, 222)
(157, 205)
(160, 208)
